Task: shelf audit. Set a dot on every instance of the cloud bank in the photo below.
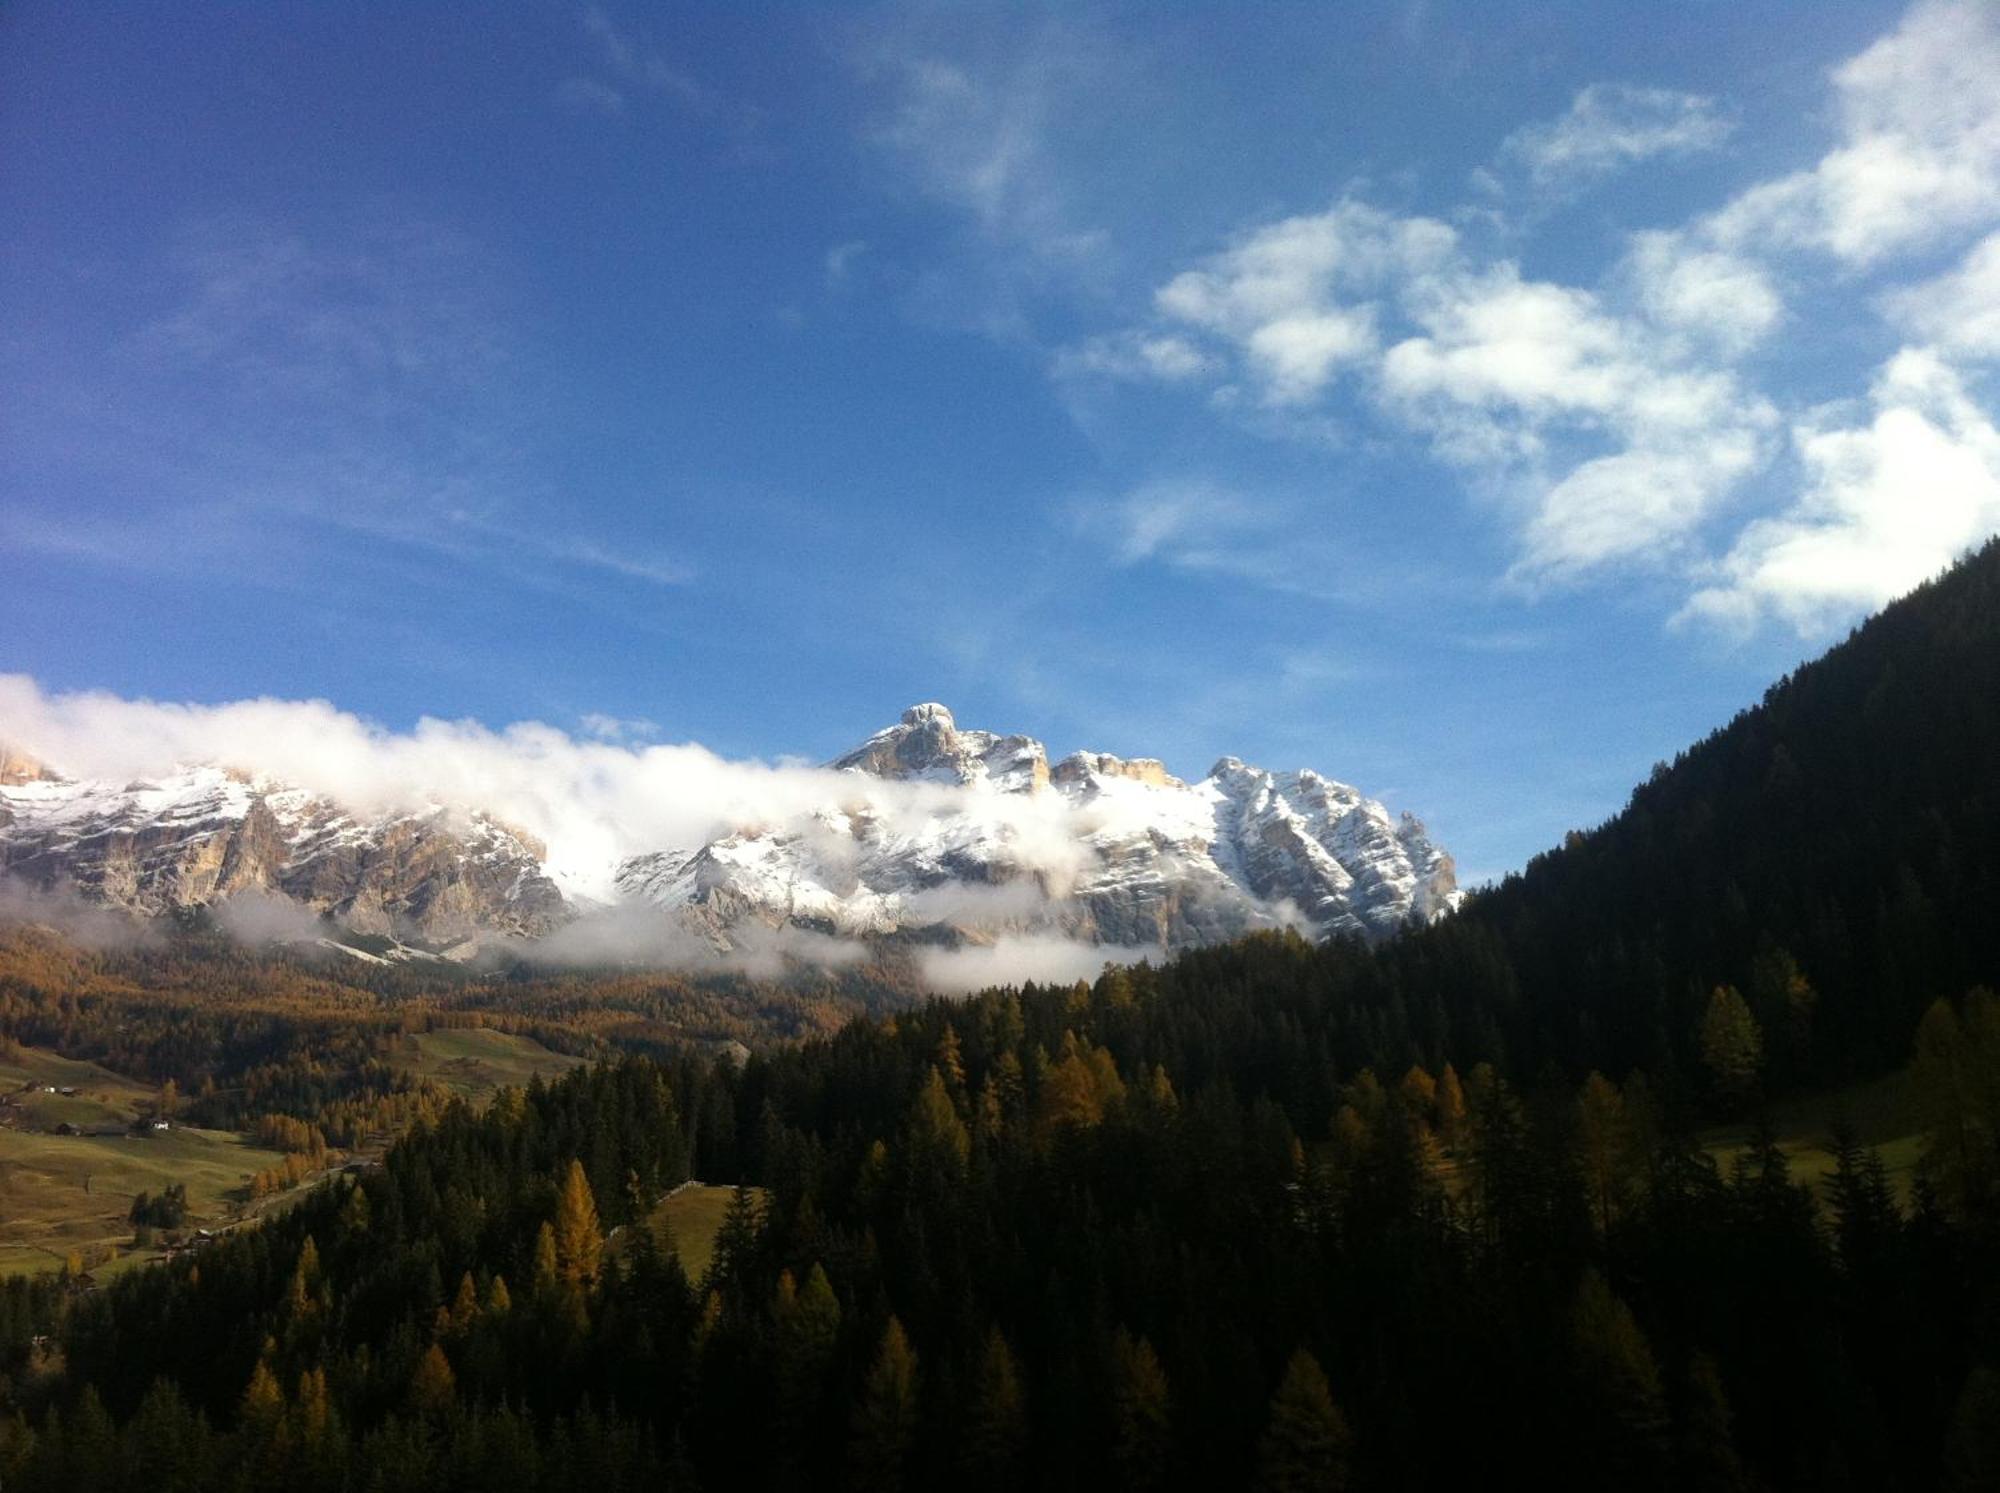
(593, 802)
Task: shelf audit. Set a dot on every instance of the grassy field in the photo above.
(69, 1194)
(102, 1097)
(477, 1062)
(62, 1195)
(1883, 1113)
(694, 1216)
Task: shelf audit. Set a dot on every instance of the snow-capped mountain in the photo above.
(201, 835)
(925, 832)
(1095, 847)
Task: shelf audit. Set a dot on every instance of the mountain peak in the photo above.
(927, 746)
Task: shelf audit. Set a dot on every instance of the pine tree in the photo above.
(806, 1324)
(996, 1428)
(885, 1416)
(1732, 1046)
(1972, 1445)
(736, 1246)
(261, 1425)
(1601, 1139)
(1306, 1440)
(433, 1388)
(950, 1060)
(263, 1403)
(1141, 1413)
(548, 1267)
(1616, 1370)
(579, 1238)
(1448, 1108)
(1418, 1091)
(1708, 1461)
(938, 1141)
(464, 1306)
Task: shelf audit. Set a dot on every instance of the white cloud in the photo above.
(1958, 312)
(1724, 300)
(1610, 126)
(1296, 355)
(258, 917)
(1045, 959)
(1512, 372)
(1494, 341)
(1610, 420)
(1919, 156)
(1134, 356)
(1630, 504)
(1887, 505)
(1303, 267)
(601, 727)
(980, 140)
(1618, 434)
(1186, 523)
(652, 938)
(593, 803)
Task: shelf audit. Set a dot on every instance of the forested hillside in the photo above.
(1833, 852)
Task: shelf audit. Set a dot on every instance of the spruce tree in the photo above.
(1732, 1046)
(885, 1416)
(996, 1427)
(1141, 1413)
(1306, 1439)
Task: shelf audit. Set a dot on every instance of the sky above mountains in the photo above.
(1477, 402)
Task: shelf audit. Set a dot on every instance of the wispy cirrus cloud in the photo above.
(293, 384)
(1609, 127)
(627, 64)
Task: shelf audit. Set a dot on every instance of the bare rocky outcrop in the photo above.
(200, 836)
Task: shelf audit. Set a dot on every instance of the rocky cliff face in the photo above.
(947, 836)
(1096, 847)
(202, 835)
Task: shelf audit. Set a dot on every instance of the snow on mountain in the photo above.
(1096, 848)
(924, 832)
(200, 835)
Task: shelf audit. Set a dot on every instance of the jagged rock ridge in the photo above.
(200, 835)
(1117, 851)
(948, 836)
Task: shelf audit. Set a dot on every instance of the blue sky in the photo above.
(1476, 401)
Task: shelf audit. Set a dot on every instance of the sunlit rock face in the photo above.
(201, 835)
(927, 832)
(1106, 849)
